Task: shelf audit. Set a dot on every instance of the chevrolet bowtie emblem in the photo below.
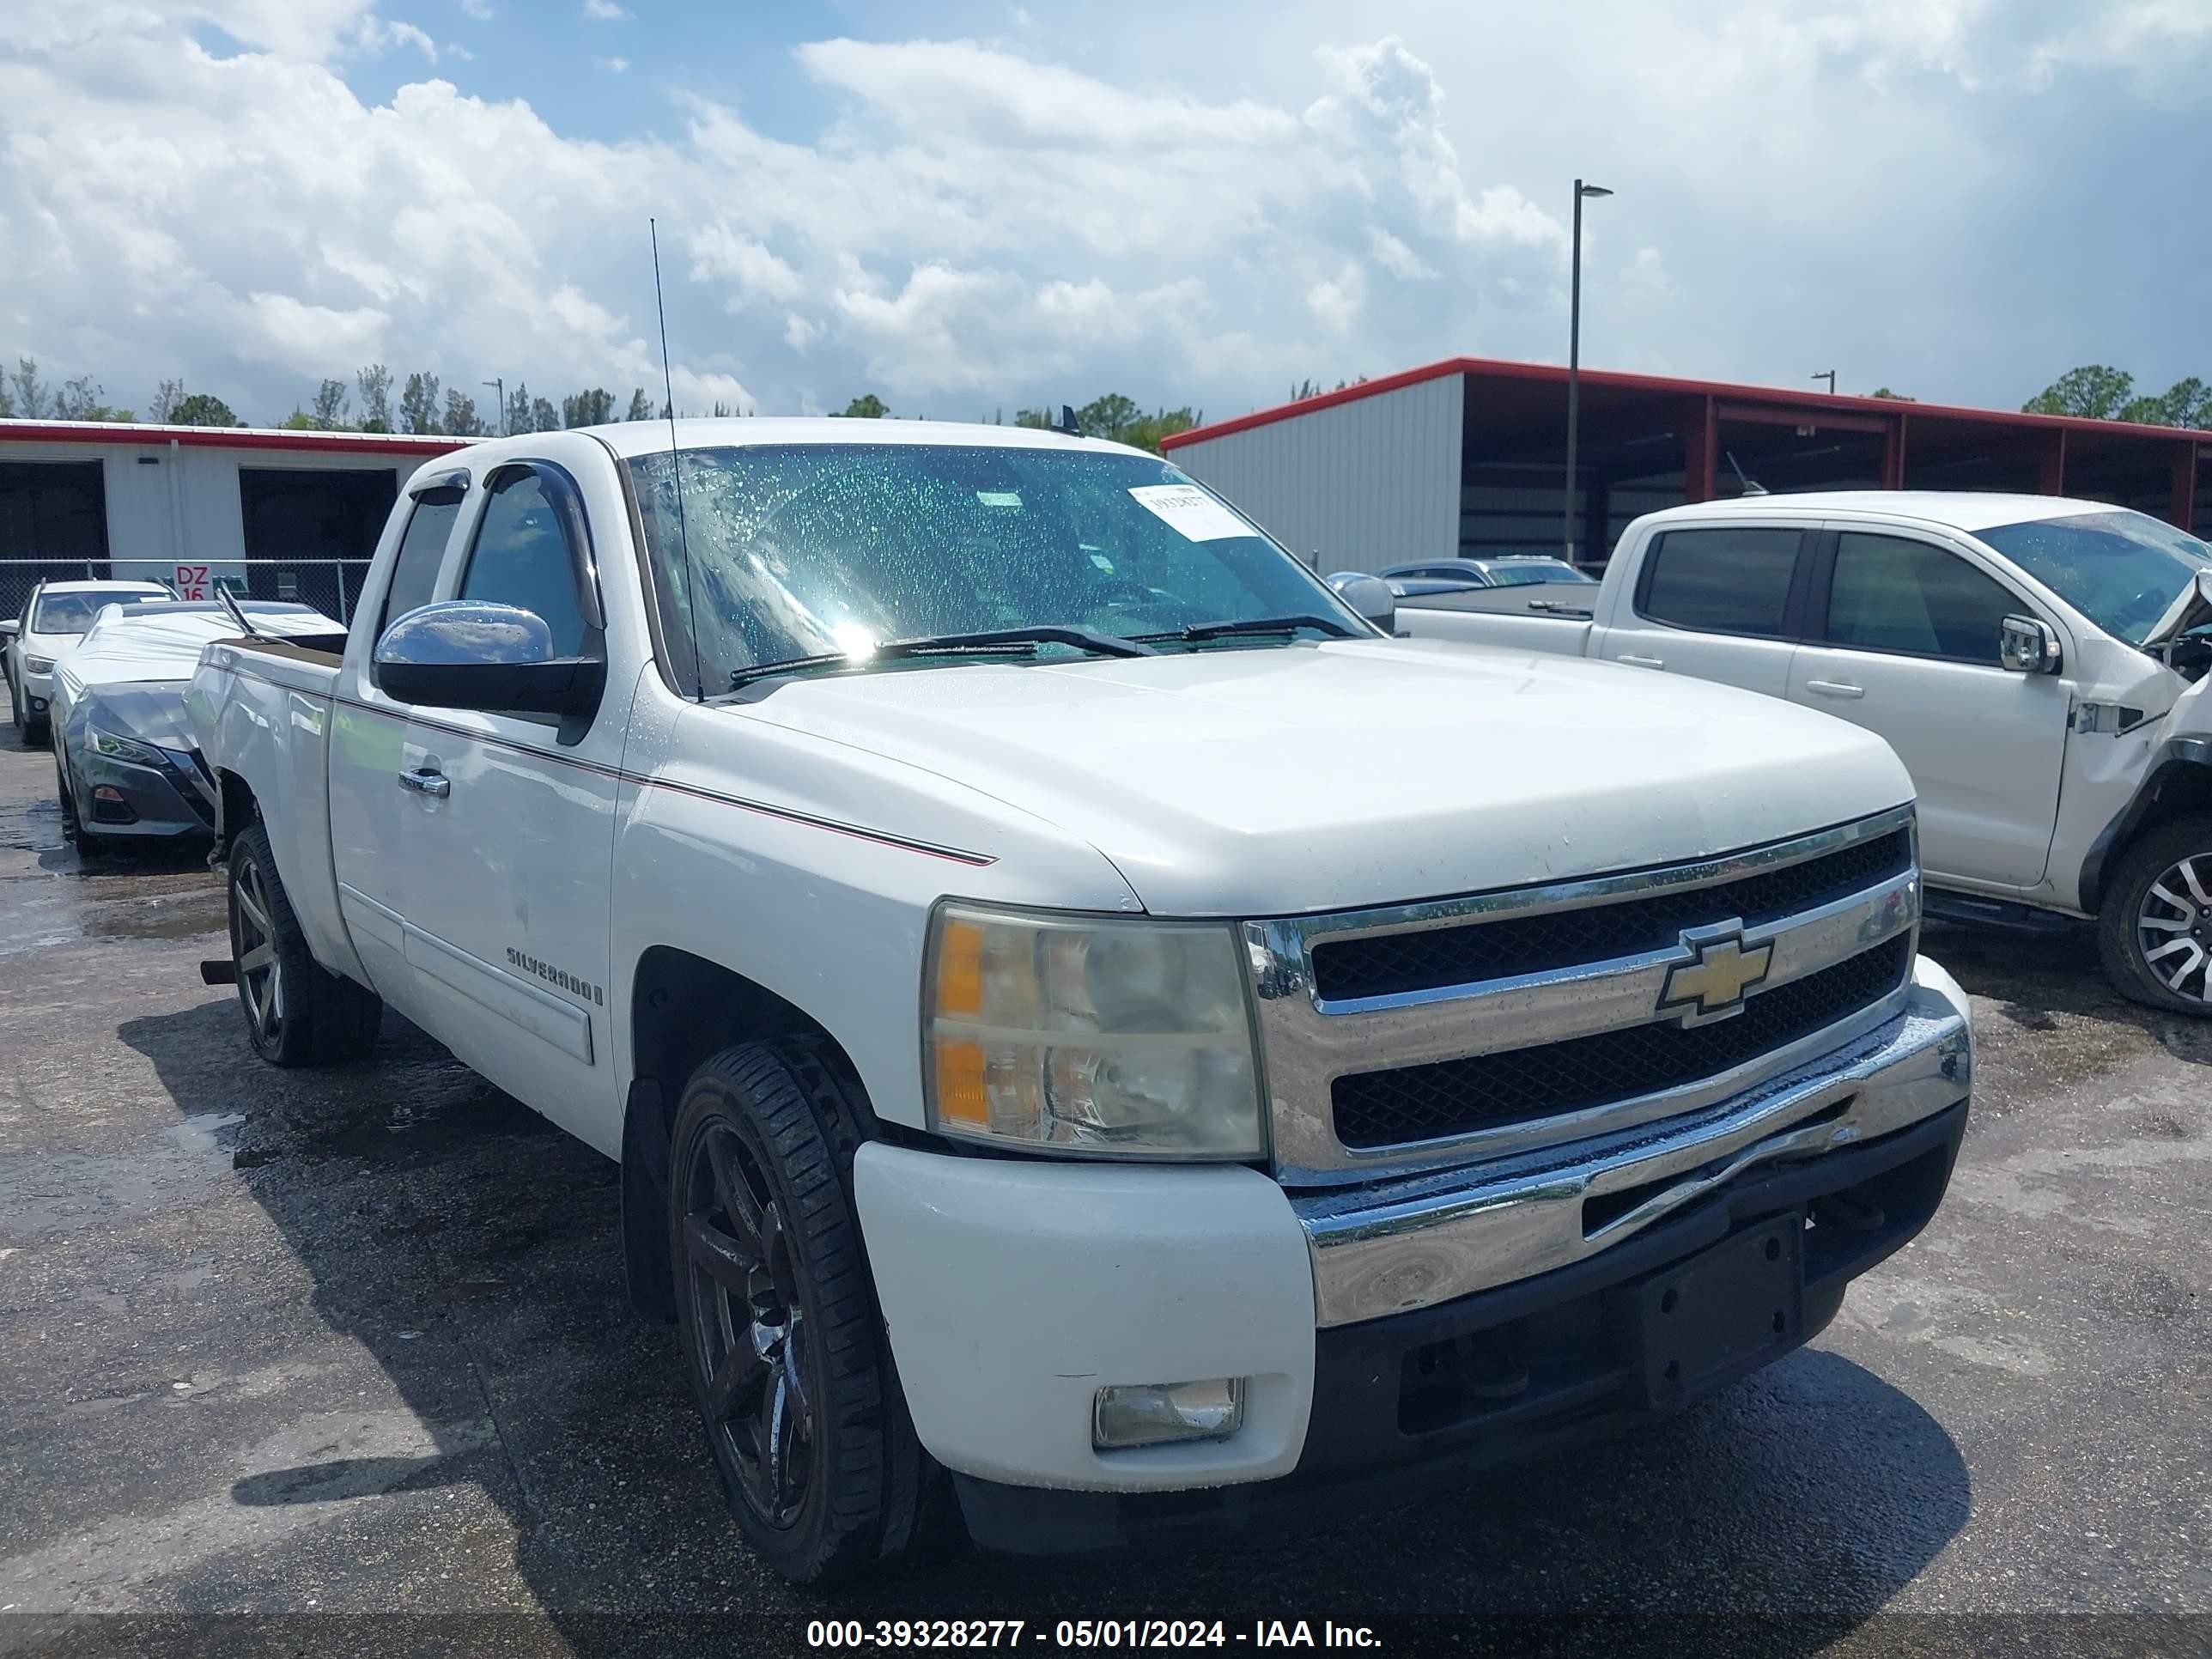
(1712, 983)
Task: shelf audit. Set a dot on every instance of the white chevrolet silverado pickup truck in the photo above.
(2038, 664)
(1089, 1026)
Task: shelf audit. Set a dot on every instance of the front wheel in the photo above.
(2154, 931)
(297, 1012)
(787, 1355)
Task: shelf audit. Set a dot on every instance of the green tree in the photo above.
(1146, 430)
(2185, 403)
(1034, 418)
(2095, 390)
(1895, 397)
(1108, 416)
(375, 383)
(595, 407)
(544, 417)
(203, 409)
(331, 399)
(460, 418)
(641, 406)
(7, 400)
(85, 399)
(867, 407)
(30, 390)
(518, 409)
(418, 404)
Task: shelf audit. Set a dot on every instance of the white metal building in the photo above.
(282, 513)
(1468, 457)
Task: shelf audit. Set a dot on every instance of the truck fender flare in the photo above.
(2177, 758)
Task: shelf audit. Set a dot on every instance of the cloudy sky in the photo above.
(968, 207)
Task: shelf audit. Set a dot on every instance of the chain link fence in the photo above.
(331, 585)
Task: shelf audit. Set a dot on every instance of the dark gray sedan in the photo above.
(125, 762)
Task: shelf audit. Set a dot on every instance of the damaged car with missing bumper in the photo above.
(125, 768)
(1091, 1026)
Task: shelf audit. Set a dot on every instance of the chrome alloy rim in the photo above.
(260, 977)
(2173, 928)
(751, 1332)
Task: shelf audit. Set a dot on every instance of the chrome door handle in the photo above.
(424, 780)
(1635, 661)
(1835, 688)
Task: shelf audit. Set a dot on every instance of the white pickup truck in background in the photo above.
(1086, 1021)
(2038, 665)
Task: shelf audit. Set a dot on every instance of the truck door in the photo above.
(509, 833)
(368, 746)
(1902, 638)
(1714, 602)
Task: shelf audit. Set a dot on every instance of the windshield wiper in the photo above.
(1222, 630)
(989, 642)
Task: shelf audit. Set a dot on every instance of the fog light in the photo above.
(1156, 1413)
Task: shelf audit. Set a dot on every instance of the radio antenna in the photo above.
(694, 598)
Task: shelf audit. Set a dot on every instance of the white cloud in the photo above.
(618, 65)
(973, 219)
(376, 34)
(603, 11)
(479, 9)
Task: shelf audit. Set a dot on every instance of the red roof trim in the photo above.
(1811, 403)
(224, 437)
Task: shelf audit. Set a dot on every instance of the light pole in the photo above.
(500, 387)
(1575, 364)
(1828, 374)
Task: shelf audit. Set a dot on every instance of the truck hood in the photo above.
(1268, 781)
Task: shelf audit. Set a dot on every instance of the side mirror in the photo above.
(1371, 596)
(2028, 645)
(11, 627)
(467, 653)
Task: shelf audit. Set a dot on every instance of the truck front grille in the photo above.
(1484, 1092)
(1445, 1030)
(1394, 964)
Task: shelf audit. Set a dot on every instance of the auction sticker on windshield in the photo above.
(1191, 511)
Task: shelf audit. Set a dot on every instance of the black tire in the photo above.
(768, 1263)
(297, 1013)
(2136, 921)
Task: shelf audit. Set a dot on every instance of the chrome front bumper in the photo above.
(1410, 1244)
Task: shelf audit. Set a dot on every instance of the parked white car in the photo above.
(54, 620)
(2038, 665)
(1080, 1013)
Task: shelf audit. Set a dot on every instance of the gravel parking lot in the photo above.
(355, 1342)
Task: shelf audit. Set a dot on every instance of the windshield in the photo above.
(2122, 570)
(802, 550)
(72, 613)
(1520, 574)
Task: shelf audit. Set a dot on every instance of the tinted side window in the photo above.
(414, 571)
(1891, 594)
(521, 558)
(1724, 581)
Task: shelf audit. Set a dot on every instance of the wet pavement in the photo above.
(356, 1341)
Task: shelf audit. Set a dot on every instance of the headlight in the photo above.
(38, 665)
(123, 749)
(1116, 1038)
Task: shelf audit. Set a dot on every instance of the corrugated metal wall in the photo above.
(1355, 486)
(184, 506)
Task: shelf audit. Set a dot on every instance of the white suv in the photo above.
(52, 623)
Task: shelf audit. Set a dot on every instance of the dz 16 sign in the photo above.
(192, 582)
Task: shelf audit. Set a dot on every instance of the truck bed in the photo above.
(1529, 619)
